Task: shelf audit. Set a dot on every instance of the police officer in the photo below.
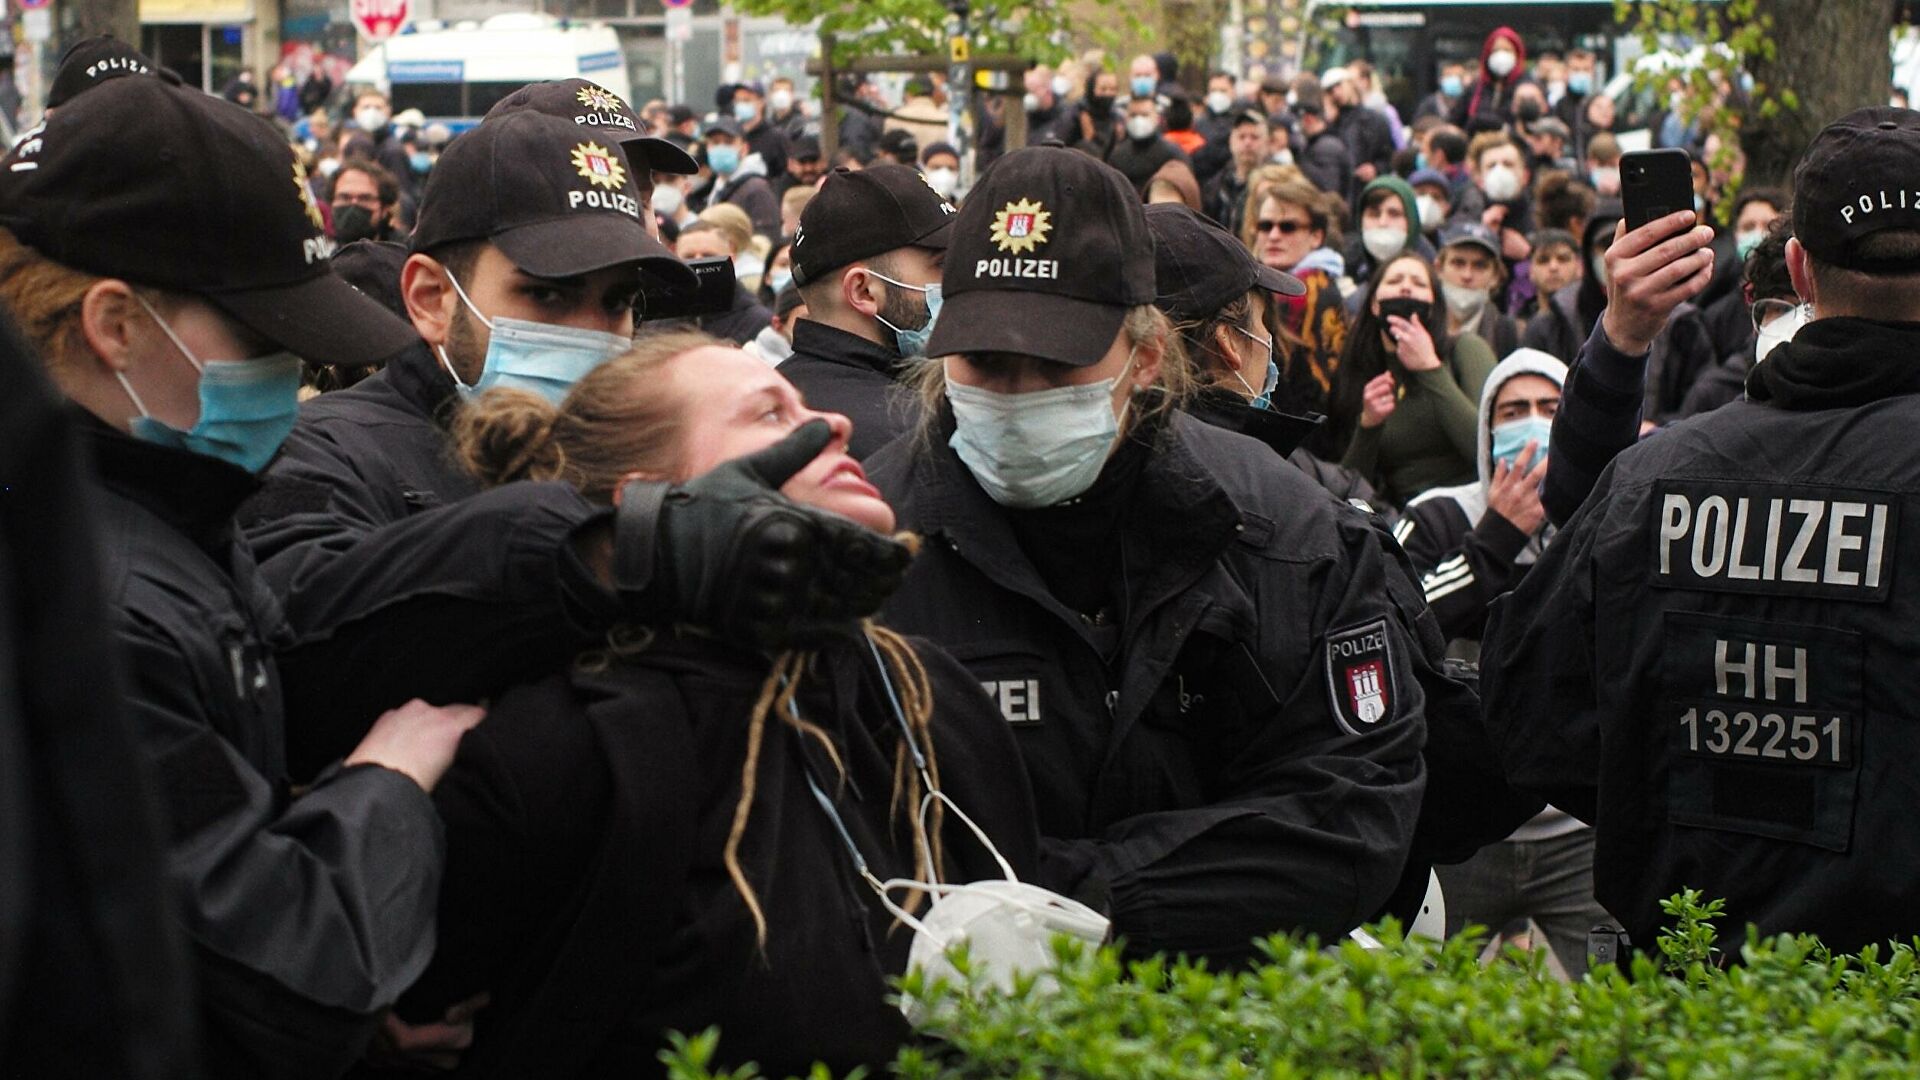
(529, 255)
(867, 263)
(1217, 675)
(1714, 661)
(91, 61)
(169, 293)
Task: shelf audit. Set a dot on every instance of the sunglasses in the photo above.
(1287, 228)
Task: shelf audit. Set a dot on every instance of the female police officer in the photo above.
(1218, 678)
(165, 257)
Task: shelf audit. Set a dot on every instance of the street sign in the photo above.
(378, 20)
(36, 25)
(34, 5)
(671, 5)
(680, 23)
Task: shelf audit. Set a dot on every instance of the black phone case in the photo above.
(1655, 183)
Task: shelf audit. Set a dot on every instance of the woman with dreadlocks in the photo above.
(682, 832)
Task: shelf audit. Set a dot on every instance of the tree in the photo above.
(918, 27)
(1764, 91)
(1837, 59)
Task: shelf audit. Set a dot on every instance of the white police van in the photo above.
(454, 75)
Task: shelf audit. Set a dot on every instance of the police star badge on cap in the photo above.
(597, 164)
(1021, 226)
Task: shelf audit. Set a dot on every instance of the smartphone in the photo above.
(1655, 183)
(711, 294)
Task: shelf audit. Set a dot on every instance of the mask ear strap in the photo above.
(462, 293)
(920, 763)
(171, 336)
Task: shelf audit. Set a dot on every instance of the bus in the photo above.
(454, 75)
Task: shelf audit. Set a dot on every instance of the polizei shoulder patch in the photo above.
(1360, 678)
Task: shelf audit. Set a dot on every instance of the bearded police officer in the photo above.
(1715, 663)
(867, 262)
(1219, 676)
(529, 256)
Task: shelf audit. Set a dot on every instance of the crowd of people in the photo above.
(484, 603)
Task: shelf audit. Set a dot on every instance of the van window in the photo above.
(451, 99)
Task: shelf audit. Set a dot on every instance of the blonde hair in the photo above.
(619, 419)
(796, 199)
(732, 222)
(1145, 325)
(624, 418)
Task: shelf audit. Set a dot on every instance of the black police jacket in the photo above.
(586, 889)
(309, 914)
(391, 565)
(1715, 662)
(97, 979)
(1248, 760)
(845, 373)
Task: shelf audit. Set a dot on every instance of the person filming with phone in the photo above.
(1711, 662)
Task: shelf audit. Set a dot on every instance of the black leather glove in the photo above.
(726, 551)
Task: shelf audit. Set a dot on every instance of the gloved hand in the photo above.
(726, 551)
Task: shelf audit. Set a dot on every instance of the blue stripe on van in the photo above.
(426, 71)
(599, 61)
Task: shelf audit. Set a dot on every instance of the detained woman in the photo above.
(1406, 401)
(681, 832)
(1218, 677)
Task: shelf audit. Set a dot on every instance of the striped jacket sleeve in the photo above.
(1461, 569)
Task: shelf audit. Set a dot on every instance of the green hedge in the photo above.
(1424, 1009)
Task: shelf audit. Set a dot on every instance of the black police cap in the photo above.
(1856, 179)
(92, 61)
(156, 184)
(1048, 255)
(1200, 267)
(555, 198)
(858, 214)
(595, 108)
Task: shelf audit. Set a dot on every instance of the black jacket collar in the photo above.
(192, 492)
(1281, 431)
(417, 375)
(818, 341)
(1840, 363)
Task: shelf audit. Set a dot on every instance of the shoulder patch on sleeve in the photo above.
(1360, 679)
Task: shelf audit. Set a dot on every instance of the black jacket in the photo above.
(1369, 137)
(95, 977)
(1199, 763)
(1463, 564)
(1714, 663)
(770, 142)
(1283, 433)
(845, 373)
(309, 914)
(1225, 199)
(587, 819)
(740, 323)
(1328, 162)
(1138, 160)
(390, 565)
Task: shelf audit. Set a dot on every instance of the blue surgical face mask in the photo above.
(1452, 85)
(247, 407)
(421, 161)
(779, 279)
(1579, 82)
(913, 343)
(1745, 242)
(745, 111)
(1141, 85)
(540, 357)
(1035, 449)
(723, 159)
(1263, 399)
(1419, 161)
(1511, 438)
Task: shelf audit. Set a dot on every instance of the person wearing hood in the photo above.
(740, 176)
(1287, 230)
(1471, 275)
(1471, 543)
(1488, 104)
(1386, 222)
(1404, 397)
(1570, 315)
